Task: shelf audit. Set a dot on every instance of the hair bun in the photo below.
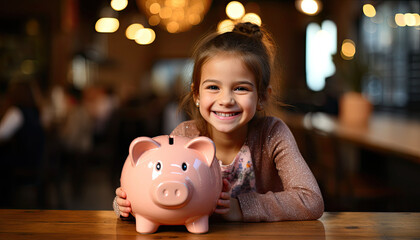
(249, 29)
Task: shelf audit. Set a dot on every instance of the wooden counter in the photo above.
(385, 133)
(65, 224)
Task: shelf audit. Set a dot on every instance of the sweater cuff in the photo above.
(250, 207)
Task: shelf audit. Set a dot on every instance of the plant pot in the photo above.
(355, 110)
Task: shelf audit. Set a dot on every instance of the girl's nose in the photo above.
(226, 99)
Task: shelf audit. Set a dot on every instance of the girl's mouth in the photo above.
(221, 114)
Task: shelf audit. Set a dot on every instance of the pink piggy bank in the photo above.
(172, 180)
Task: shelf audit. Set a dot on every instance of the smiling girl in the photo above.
(265, 176)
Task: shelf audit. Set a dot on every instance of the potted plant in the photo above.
(354, 108)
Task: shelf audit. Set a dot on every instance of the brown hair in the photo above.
(251, 43)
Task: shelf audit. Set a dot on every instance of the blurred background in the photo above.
(79, 80)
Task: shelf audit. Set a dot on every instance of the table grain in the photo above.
(69, 224)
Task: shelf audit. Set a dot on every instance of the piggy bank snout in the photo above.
(171, 194)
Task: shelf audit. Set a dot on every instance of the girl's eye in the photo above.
(241, 89)
(158, 166)
(212, 87)
(184, 166)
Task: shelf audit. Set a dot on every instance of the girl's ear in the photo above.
(269, 91)
(195, 96)
(260, 106)
(262, 102)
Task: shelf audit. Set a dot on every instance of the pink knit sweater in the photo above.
(286, 187)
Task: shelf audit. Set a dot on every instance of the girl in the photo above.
(265, 176)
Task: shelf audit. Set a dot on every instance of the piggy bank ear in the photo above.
(140, 145)
(205, 146)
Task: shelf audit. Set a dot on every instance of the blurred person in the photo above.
(21, 137)
(76, 131)
(76, 141)
(102, 106)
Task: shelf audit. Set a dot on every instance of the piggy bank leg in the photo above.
(144, 225)
(198, 225)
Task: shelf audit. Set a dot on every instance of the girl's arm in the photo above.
(11, 122)
(292, 192)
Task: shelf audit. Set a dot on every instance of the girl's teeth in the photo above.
(226, 114)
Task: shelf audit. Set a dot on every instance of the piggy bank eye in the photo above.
(184, 166)
(158, 166)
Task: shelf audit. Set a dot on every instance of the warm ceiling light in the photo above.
(348, 49)
(154, 8)
(194, 19)
(410, 19)
(252, 18)
(417, 17)
(309, 7)
(154, 20)
(174, 14)
(172, 27)
(165, 12)
(145, 36)
(235, 10)
(369, 10)
(131, 31)
(119, 5)
(400, 19)
(107, 25)
(226, 25)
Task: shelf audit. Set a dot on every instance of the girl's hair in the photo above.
(251, 43)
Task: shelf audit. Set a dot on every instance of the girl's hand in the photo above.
(228, 207)
(234, 214)
(124, 206)
(223, 204)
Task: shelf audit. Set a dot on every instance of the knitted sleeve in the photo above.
(289, 191)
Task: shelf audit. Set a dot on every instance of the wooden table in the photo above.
(66, 224)
(385, 133)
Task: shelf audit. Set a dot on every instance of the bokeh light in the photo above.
(131, 30)
(172, 27)
(174, 15)
(400, 20)
(407, 19)
(154, 20)
(235, 10)
(119, 5)
(194, 19)
(145, 36)
(154, 8)
(348, 49)
(321, 45)
(107, 25)
(410, 19)
(310, 7)
(225, 26)
(252, 18)
(417, 17)
(369, 10)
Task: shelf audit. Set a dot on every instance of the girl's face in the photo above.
(227, 94)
